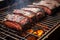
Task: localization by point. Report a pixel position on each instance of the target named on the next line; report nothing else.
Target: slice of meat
(17, 18)
(46, 9)
(16, 21)
(29, 15)
(13, 25)
(39, 12)
(48, 5)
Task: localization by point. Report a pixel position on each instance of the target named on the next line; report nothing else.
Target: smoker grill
(51, 22)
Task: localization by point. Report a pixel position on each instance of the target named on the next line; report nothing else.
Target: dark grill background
(51, 22)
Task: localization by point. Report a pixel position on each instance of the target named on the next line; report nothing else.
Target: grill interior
(48, 24)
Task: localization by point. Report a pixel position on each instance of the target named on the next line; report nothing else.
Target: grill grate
(50, 22)
(47, 24)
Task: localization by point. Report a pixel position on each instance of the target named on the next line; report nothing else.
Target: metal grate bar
(48, 31)
(51, 31)
(10, 33)
(4, 33)
(2, 38)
